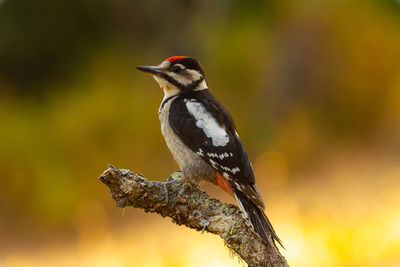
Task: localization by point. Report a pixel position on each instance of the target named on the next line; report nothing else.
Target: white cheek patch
(186, 76)
(207, 123)
(194, 75)
(179, 78)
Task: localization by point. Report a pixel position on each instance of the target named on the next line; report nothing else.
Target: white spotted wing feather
(206, 127)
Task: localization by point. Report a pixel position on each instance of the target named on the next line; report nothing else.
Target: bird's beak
(150, 69)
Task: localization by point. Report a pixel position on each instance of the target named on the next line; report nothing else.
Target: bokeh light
(314, 87)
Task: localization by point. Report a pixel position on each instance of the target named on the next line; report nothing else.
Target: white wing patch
(207, 123)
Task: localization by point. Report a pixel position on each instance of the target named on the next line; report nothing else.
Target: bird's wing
(206, 127)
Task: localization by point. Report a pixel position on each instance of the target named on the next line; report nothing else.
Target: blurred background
(314, 87)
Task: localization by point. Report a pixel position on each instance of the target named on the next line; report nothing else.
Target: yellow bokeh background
(314, 88)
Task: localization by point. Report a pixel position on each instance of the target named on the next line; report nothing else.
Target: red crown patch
(170, 59)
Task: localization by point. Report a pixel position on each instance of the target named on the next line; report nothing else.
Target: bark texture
(187, 205)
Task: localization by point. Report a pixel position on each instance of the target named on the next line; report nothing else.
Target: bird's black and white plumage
(203, 140)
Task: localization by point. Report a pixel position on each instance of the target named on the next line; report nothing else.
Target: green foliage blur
(305, 79)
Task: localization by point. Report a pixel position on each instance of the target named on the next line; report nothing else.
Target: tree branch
(187, 205)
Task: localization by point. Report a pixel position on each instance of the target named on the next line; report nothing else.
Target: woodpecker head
(177, 75)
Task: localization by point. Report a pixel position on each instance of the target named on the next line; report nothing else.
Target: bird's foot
(175, 177)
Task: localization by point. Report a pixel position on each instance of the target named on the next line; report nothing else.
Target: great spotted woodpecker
(203, 140)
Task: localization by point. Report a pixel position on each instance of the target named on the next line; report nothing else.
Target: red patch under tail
(223, 183)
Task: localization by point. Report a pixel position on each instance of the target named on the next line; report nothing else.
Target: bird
(201, 135)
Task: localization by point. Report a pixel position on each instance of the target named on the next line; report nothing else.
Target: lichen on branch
(187, 205)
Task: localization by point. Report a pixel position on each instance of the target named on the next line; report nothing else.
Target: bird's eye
(176, 69)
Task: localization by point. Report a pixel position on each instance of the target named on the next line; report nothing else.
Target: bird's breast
(191, 164)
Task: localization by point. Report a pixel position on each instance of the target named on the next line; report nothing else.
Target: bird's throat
(168, 88)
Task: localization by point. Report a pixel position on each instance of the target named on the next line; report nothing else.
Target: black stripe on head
(183, 87)
(190, 63)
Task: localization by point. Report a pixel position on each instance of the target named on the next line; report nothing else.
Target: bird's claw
(176, 175)
(173, 178)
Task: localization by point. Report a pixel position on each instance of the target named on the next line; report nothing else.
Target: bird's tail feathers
(257, 218)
